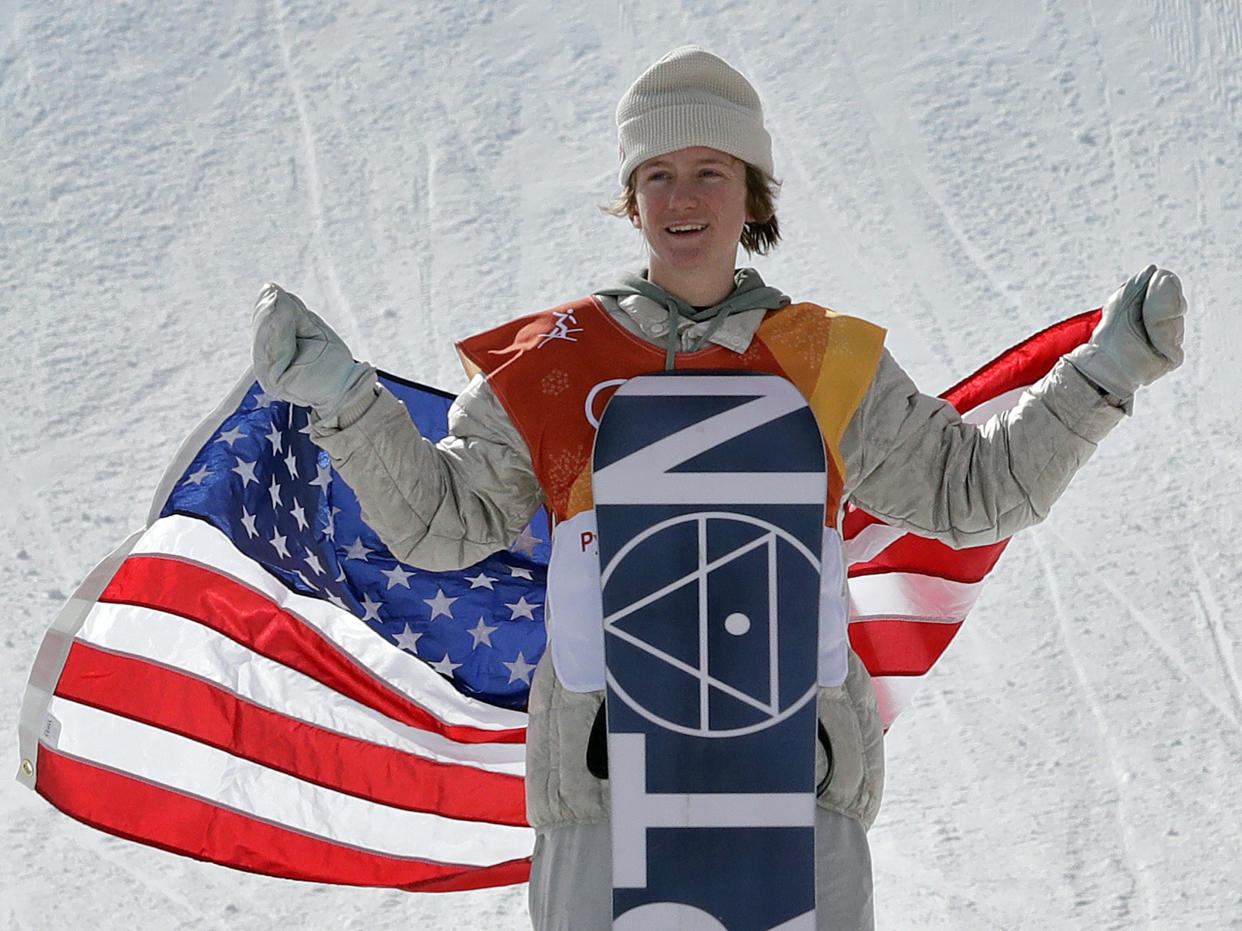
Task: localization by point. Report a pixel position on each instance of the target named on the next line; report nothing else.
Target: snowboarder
(697, 179)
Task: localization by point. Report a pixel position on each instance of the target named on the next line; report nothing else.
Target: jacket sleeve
(913, 462)
(443, 505)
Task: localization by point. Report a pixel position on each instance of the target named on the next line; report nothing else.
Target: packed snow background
(963, 173)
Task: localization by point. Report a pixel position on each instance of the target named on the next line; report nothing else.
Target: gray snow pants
(571, 877)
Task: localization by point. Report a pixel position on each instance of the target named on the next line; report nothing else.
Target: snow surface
(961, 172)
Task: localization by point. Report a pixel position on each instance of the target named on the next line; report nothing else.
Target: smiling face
(690, 206)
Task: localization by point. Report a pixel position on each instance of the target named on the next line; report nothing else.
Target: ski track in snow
(1182, 674)
(961, 173)
(1120, 774)
(1225, 643)
(314, 185)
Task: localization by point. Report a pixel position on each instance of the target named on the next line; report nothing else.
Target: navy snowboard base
(709, 494)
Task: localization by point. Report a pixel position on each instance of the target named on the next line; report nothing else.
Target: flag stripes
(152, 694)
(166, 641)
(133, 808)
(188, 767)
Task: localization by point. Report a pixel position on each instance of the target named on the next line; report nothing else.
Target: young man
(697, 173)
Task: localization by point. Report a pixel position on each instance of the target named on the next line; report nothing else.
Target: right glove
(1138, 338)
(298, 357)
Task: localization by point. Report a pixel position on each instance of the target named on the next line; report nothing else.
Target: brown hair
(759, 236)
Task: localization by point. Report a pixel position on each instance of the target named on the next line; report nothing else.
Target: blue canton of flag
(262, 482)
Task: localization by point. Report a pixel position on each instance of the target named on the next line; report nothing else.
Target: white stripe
(197, 541)
(870, 542)
(1002, 402)
(911, 596)
(191, 768)
(895, 694)
(172, 641)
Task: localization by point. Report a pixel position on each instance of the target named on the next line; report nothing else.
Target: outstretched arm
(913, 462)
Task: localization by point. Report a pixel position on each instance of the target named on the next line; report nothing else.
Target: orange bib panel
(553, 371)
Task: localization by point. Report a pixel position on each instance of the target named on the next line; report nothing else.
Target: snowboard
(709, 492)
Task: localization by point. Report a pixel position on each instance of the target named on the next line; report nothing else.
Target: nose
(684, 193)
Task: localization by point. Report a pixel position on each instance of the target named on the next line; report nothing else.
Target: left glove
(299, 358)
(1138, 338)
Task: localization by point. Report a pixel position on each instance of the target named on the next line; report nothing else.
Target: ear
(636, 220)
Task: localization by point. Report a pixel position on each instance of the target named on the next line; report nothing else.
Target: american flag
(253, 679)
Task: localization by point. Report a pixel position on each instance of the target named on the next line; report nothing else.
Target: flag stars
(357, 550)
(263, 401)
(291, 463)
(274, 490)
(313, 563)
(518, 572)
(482, 580)
(522, 608)
(247, 520)
(519, 670)
(408, 640)
(370, 608)
(231, 436)
(526, 542)
(277, 439)
(398, 576)
(197, 477)
(278, 544)
(440, 605)
(445, 666)
(482, 634)
(323, 477)
(299, 515)
(245, 470)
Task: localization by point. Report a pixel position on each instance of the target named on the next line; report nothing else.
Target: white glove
(1139, 336)
(298, 357)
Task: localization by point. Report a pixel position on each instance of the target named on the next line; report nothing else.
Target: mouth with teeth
(683, 228)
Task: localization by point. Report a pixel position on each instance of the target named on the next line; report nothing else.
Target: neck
(694, 287)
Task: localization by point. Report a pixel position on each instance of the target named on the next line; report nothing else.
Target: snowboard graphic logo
(729, 662)
(709, 495)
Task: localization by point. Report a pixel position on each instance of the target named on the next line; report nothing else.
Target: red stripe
(248, 617)
(149, 814)
(1024, 364)
(214, 716)
(930, 557)
(900, 648)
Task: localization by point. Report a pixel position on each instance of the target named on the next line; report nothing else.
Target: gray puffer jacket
(910, 459)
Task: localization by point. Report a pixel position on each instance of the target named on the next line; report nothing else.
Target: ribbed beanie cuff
(691, 97)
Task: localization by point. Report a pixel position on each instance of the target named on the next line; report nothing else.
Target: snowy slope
(963, 173)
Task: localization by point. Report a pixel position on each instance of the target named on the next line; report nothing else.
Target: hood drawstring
(749, 293)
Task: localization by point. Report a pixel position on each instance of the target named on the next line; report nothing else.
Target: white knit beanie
(690, 98)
